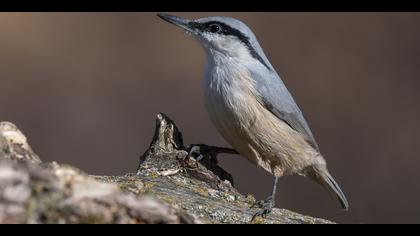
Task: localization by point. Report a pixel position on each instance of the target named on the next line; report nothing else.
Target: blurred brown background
(86, 87)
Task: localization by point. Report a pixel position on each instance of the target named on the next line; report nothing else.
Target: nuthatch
(251, 107)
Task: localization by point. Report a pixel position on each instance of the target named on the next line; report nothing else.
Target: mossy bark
(169, 187)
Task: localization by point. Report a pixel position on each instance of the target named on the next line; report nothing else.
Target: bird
(252, 109)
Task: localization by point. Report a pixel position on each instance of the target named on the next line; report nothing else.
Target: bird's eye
(215, 28)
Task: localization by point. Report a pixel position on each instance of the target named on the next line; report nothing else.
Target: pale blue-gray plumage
(252, 108)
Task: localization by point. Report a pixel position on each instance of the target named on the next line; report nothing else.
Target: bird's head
(222, 35)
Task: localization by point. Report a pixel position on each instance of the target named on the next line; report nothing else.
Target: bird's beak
(178, 21)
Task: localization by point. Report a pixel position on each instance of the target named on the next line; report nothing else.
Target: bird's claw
(266, 207)
(269, 202)
(262, 213)
(195, 151)
(202, 151)
(256, 204)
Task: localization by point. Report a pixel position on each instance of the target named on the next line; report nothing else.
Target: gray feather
(272, 91)
(275, 97)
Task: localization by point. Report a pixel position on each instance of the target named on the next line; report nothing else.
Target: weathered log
(169, 187)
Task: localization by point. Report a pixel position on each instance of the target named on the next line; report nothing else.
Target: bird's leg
(268, 204)
(200, 151)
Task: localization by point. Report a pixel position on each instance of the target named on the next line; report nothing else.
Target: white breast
(229, 98)
(233, 107)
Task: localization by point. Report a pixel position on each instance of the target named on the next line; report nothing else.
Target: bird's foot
(266, 207)
(202, 151)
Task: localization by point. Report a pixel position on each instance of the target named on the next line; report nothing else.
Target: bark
(169, 187)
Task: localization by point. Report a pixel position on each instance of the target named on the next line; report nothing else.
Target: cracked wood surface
(168, 187)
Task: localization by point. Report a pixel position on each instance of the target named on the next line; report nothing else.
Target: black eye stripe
(215, 28)
(227, 30)
(197, 25)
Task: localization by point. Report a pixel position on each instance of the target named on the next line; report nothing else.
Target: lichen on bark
(169, 187)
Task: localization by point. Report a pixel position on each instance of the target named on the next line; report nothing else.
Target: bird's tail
(321, 175)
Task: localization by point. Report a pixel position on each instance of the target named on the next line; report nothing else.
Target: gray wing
(275, 97)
